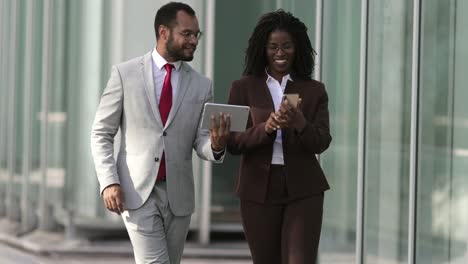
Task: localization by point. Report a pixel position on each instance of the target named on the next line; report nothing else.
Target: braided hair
(280, 20)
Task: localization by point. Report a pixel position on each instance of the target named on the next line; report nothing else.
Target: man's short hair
(167, 15)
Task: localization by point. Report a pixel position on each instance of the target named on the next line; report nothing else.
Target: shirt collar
(270, 78)
(160, 61)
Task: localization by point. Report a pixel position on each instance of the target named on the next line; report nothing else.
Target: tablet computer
(239, 115)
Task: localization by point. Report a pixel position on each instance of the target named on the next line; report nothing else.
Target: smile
(281, 61)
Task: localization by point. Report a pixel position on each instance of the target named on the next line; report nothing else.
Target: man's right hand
(113, 198)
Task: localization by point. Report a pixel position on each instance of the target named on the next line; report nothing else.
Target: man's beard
(177, 53)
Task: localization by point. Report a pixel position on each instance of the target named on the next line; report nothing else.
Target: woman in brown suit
(280, 182)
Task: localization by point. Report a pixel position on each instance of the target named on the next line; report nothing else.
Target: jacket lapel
(291, 88)
(147, 70)
(184, 82)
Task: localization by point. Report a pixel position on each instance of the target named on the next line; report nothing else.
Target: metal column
(11, 201)
(361, 180)
(318, 46)
(27, 217)
(318, 39)
(45, 214)
(205, 205)
(414, 133)
(3, 97)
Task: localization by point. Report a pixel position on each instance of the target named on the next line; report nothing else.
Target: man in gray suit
(157, 101)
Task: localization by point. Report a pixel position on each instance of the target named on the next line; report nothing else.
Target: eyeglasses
(275, 48)
(188, 35)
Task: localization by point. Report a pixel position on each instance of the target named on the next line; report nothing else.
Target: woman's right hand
(272, 124)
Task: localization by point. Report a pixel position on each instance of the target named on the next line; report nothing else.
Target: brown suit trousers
(283, 230)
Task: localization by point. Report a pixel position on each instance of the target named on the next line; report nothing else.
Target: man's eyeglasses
(276, 48)
(188, 35)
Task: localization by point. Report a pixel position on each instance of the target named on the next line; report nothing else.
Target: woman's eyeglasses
(276, 48)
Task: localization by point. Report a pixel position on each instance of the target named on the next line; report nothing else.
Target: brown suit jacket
(304, 174)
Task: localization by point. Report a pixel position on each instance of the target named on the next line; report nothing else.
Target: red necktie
(165, 104)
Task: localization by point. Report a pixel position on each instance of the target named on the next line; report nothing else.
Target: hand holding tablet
(238, 115)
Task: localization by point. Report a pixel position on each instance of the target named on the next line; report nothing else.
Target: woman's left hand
(298, 121)
(290, 116)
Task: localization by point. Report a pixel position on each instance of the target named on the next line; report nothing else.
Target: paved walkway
(11, 255)
(54, 248)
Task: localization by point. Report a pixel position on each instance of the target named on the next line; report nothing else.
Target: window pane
(340, 73)
(388, 131)
(442, 222)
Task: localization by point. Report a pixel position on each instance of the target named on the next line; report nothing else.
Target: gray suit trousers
(156, 234)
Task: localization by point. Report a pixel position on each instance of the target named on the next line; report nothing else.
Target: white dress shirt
(277, 92)
(159, 73)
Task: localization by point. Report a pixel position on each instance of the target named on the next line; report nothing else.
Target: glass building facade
(394, 70)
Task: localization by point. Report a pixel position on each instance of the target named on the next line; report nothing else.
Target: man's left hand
(219, 131)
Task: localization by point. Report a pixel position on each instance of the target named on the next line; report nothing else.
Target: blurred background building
(394, 70)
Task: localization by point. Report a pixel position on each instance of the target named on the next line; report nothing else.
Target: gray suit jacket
(129, 103)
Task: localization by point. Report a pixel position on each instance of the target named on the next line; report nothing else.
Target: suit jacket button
(164, 133)
(156, 159)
